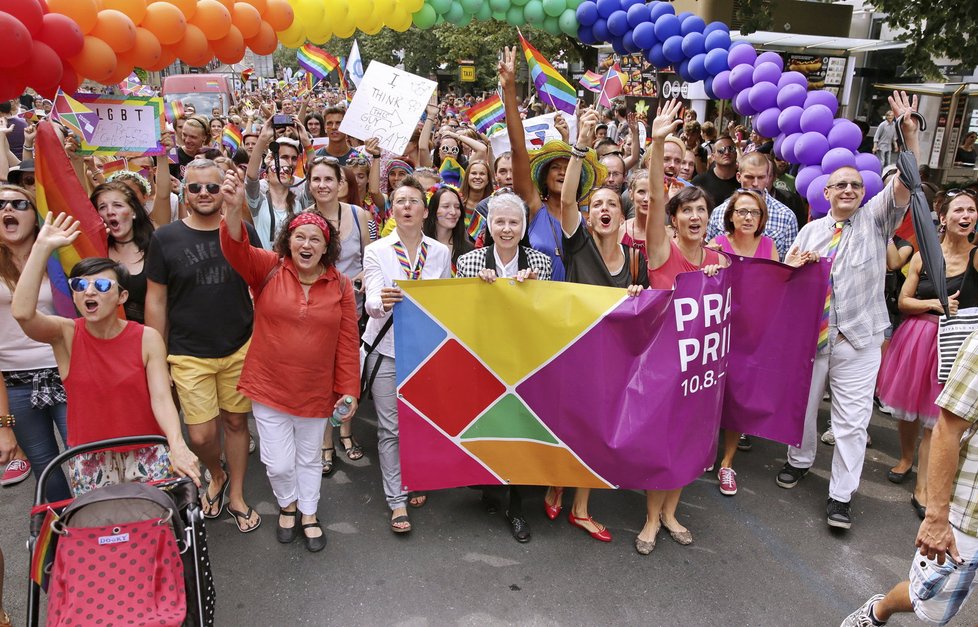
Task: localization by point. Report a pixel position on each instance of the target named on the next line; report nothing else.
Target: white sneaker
(251, 444)
(828, 437)
(861, 617)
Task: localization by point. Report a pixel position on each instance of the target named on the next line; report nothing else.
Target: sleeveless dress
(546, 235)
(907, 380)
(764, 248)
(135, 306)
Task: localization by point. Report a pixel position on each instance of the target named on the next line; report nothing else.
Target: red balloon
(11, 86)
(62, 34)
(46, 66)
(69, 81)
(17, 41)
(28, 12)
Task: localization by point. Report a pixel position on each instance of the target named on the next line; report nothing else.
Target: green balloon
(568, 22)
(553, 8)
(573, 4)
(425, 18)
(518, 3)
(551, 25)
(515, 16)
(466, 19)
(455, 13)
(499, 5)
(533, 12)
(499, 15)
(471, 6)
(484, 14)
(441, 7)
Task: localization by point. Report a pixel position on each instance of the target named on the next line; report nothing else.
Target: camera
(282, 121)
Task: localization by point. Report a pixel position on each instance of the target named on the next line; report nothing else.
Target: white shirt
(506, 270)
(382, 269)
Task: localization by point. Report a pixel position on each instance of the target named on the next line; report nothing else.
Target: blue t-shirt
(547, 237)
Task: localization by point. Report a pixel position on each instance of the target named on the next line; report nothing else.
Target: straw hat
(593, 173)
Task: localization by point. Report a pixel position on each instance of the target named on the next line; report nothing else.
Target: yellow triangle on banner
(513, 327)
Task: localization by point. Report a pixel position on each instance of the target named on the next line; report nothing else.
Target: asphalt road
(762, 557)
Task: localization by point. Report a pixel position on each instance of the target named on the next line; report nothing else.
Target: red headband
(310, 217)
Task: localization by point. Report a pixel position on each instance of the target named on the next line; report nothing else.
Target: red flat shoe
(553, 511)
(604, 535)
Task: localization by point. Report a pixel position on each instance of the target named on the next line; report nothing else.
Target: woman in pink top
(688, 211)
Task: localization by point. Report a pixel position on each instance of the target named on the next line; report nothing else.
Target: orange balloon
(246, 19)
(134, 9)
(147, 50)
(97, 61)
(194, 48)
(122, 70)
(228, 4)
(265, 42)
(165, 21)
(116, 29)
(212, 18)
(230, 48)
(83, 12)
(167, 57)
(260, 5)
(279, 14)
(187, 7)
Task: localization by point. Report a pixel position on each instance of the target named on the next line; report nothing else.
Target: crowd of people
(299, 238)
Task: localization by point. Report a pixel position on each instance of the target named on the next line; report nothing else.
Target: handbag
(951, 334)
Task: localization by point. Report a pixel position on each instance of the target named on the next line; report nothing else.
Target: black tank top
(966, 282)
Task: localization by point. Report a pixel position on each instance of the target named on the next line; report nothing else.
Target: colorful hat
(390, 166)
(593, 173)
(451, 172)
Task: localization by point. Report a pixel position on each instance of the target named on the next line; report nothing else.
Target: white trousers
(851, 374)
(290, 451)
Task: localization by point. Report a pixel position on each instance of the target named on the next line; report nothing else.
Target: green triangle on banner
(509, 418)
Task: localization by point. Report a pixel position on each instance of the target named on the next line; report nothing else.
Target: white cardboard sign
(538, 131)
(388, 105)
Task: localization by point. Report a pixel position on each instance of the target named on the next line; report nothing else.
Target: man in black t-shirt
(720, 181)
(203, 309)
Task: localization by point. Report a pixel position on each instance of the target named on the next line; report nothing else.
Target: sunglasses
(729, 150)
(841, 187)
(19, 204)
(79, 284)
(949, 194)
(452, 150)
(212, 188)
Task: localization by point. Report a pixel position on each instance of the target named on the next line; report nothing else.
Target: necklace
(125, 241)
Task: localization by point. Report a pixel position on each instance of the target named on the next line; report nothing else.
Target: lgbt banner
(562, 384)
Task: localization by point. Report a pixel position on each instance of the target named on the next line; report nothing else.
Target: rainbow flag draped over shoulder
(552, 88)
(232, 137)
(591, 81)
(58, 191)
(486, 113)
(316, 60)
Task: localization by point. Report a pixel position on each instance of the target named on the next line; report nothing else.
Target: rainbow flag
(308, 82)
(552, 88)
(474, 223)
(341, 73)
(316, 60)
(246, 74)
(591, 81)
(173, 111)
(58, 191)
(612, 84)
(76, 116)
(232, 137)
(486, 113)
(451, 172)
(44, 548)
(131, 84)
(110, 167)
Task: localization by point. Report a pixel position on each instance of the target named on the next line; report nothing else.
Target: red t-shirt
(664, 277)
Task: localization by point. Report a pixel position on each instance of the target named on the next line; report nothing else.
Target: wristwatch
(8, 420)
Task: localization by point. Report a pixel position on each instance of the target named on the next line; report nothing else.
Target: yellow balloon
(359, 10)
(383, 8)
(337, 10)
(293, 36)
(319, 33)
(400, 20)
(310, 12)
(344, 29)
(371, 25)
(411, 6)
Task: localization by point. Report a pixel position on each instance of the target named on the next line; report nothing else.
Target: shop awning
(809, 43)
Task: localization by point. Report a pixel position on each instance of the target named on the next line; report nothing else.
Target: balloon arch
(59, 43)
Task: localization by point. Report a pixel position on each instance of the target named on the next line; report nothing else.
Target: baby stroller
(130, 553)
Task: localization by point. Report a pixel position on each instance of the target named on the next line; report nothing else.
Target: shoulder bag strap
(271, 218)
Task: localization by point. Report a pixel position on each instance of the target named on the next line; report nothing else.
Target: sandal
(218, 499)
(246, 516)
(287, 535)
(402, 520)
(328, 466)
(354, 451)
(314, 544)
(417, 500)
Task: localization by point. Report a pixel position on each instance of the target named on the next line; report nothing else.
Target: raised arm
(570, 214)
(373, 176)
(656, 235)
(233, 193)
(632, 160)
(523, 183)
(903, 108)
(55, 233)
(162, 184)
(424, 139)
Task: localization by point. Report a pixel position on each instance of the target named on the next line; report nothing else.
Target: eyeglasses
(841, 187)
(743, 213)
(729, 150)
(949, 194)
(452, 150)
(212, 188)
(329, 160)
(19, 204)
(412, 202)
(79, 284)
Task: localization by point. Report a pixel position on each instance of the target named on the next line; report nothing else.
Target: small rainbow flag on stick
(591, 81)
(173, 111)
(552, 88)
(232, 137)
(44, 547)
(316, 60)
(486, 113)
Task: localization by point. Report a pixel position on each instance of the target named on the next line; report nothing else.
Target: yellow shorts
(207, 386)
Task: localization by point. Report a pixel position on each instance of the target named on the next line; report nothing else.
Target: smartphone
(282, 121)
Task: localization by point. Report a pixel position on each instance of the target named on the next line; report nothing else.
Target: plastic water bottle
(341, 412)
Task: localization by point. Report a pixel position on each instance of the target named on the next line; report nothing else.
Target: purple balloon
(788, 147)
(637, 14)
(810, 149)
(618, 23)
(837, 158)
(716, 61)
(766, 73)
(822, 97)
(770, 57)
(818, 204)
(776, 149)
(872, 182)
(672, 48)
(587, 13)
(697, 67)
(804, 178)
(741, 103)
(742, 52)
(721, 85)
(666, 26)
(763, 96)
(607, 7)
(790, 121)
(845, 134)
(741, 76)
(791, 95)
(816, 118)
(866, 162)
(766, 122)
(793, 78)
(658, 9)
(716, 39)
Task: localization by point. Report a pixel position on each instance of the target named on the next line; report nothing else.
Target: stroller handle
(54, 464)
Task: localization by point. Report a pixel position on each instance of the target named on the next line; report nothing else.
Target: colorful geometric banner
(563, 384)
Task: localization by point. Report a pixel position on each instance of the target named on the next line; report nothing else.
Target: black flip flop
(220, 497)
(401, 519)
(238, 516)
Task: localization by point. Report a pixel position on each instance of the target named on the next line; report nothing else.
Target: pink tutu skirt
(907, 379)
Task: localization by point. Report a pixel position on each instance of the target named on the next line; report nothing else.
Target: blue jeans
(35, 435)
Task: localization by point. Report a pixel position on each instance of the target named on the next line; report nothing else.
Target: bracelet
(8, 421)
(577, 152)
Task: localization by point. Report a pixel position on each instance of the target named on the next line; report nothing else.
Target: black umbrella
(931, 255)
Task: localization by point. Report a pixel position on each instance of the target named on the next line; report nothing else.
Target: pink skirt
(907, 380)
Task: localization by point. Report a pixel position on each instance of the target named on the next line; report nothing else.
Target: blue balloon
(607, 7)
(697, 67)
(721, 85)
(667, 26)
(638, 14)
(708, 87)
(716, 61)
(692, 24)
(693, 44)
(627, 4)
(742, 77)
(658, 9)
(600, 30)
(644, 35)
(684, 71)
(672, 48)
(654, 56)
(585, 36)
(791, 95)
(618, 23)
(684, 15)
(717, 39)
(587, 13)
(618, 44)
(628, 42)
(716, 27)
